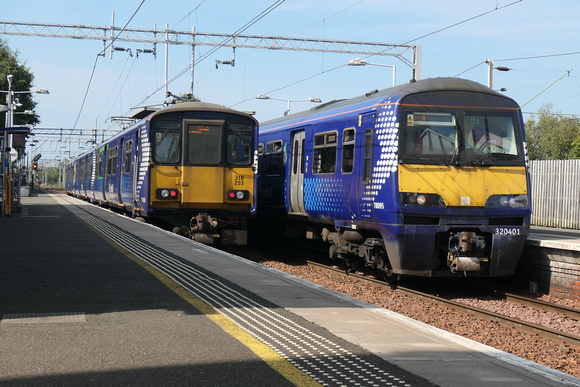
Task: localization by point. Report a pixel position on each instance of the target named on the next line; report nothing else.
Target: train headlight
(166, 193)
(507, 201)
(234, 194)
(421, 200)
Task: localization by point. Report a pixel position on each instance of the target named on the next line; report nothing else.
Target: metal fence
(556, 193)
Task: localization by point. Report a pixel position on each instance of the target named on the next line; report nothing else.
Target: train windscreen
(460, 137)
(240, 140)
(167, 141)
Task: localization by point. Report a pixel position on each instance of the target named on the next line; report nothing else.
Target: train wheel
(332, 252)
(387, 271)
(351, 265)
(390, 277)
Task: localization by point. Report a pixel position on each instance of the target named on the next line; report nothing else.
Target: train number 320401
(507, 231)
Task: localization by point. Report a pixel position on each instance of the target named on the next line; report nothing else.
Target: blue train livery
(428, 178)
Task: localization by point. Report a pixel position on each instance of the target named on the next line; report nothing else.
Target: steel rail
(572, 313)
(526, 326)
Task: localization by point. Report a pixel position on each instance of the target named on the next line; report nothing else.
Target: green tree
(575, 152)
(551, 136)
(23, 79)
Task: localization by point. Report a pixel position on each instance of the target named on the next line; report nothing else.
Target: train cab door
(365, 195)
(297, 162)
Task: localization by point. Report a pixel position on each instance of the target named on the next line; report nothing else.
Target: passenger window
(348, 140)
(324, 153)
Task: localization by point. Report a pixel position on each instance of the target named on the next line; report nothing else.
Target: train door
(365, 195)
(135, 152)
(296, 185)
(120, 171)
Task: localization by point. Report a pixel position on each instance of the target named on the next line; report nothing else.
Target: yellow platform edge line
(267, 354)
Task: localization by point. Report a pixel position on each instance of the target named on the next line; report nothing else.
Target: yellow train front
(196, 170)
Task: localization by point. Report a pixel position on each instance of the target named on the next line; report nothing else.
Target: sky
(536, 39)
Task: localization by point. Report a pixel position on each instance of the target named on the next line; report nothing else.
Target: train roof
(178, 107)
(379, 96)
(199, 106)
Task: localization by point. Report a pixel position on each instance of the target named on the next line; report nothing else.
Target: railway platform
(90, 297)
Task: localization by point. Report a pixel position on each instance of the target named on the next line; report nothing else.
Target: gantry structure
(111, 35)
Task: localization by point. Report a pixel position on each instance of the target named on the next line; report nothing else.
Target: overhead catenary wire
(217, 47)
(497, 8)
(189, 13)
(328, 17)
(96, 60)
(265, 12)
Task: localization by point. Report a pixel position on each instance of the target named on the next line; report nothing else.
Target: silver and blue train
(424, 179)
(191, 164)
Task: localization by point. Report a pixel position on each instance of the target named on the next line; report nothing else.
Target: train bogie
(425, 179)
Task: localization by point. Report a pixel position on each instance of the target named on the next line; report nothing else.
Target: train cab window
(204, 143)
(324, 160)
(240, 140)
(273, 158)
(489, 133)
(430, 133)
(127, 159)
(348, 137)
(167, 141)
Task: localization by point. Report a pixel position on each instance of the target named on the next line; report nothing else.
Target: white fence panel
(555, 193)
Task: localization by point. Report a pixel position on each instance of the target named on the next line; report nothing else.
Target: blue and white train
(424, 179)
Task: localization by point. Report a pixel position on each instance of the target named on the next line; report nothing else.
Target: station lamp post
(11, 104)
(311, 99)
(363, 62)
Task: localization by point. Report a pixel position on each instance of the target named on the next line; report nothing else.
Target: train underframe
(208, 226)
(429, 251)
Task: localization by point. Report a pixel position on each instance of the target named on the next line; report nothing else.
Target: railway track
(523, 325)
(539, 304)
